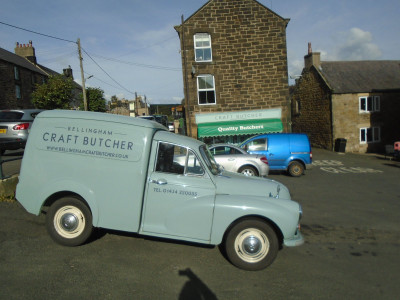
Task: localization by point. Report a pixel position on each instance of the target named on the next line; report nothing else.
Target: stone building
(235, 70)
(19, 74)
(355, 103)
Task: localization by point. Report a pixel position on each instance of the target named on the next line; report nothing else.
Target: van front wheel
(69, 221)
(296, 169)
(251, 245)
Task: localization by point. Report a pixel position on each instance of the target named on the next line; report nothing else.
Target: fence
(5, 161)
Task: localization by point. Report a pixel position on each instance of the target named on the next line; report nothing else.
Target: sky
(131, 46)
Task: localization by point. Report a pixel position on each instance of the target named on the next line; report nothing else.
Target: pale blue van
(88, 170)
(290, 152)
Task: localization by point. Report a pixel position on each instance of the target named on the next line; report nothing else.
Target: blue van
(284, 151)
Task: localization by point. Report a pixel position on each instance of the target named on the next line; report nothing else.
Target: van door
(278, 151)
(180, 196)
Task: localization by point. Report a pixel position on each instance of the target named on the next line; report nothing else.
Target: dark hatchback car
(14, 127)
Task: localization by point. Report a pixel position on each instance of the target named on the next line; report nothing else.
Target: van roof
(96, 116)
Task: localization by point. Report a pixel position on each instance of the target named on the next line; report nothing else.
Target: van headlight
(300, 212)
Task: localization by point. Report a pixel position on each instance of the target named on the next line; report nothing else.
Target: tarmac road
(351, 212)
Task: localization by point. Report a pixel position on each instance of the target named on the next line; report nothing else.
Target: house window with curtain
(16, 73)
(370, 104)
(370, 135)
(206, 89)
(202, 47)
(18, 91)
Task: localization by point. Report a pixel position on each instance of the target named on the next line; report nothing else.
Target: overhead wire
(107, 73)
(105, 58)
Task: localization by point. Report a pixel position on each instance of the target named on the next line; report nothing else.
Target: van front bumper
(296, 240)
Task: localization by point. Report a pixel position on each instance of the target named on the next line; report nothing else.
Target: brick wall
(249, 58)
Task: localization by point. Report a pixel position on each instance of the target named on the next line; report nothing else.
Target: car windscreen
(10, 115)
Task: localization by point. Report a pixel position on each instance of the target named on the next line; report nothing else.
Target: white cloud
(355, 44)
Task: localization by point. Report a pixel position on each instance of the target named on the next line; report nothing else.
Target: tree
(56, 93)
(96, 100)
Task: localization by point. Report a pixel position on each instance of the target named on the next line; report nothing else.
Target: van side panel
(278, 151)
(103, 162)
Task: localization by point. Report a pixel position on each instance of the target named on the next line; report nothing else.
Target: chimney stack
(68, 72)
(312, 59)
(27, 51)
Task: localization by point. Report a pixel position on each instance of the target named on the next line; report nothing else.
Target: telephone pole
(82, 76)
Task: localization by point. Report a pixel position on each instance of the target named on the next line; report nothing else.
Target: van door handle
(159, 181)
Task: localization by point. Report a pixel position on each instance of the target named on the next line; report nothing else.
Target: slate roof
(345, 77)
(19, 61)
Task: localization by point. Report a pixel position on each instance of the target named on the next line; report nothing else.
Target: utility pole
(82, 76)
(187, 112)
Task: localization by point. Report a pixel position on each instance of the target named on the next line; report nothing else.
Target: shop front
(235, 127)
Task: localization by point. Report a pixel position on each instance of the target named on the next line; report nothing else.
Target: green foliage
(95, 99)
(56, 93)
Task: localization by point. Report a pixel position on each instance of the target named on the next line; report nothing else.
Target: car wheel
(248, 171)
(296, 169)
(251, 245)
(69, 221)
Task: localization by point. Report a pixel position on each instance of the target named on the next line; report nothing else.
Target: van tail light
(22, 126)
(264, 160)
(311, 155)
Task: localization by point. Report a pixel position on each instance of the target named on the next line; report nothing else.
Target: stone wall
(26, 81)
(249, 58)
(311, 110)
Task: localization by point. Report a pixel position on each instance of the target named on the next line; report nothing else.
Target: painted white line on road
(337, 167)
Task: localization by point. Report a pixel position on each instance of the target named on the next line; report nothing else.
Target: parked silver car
(14, 127)
(235, 159)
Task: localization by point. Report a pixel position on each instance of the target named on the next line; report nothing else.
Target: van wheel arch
(56, 196)
(277, 230)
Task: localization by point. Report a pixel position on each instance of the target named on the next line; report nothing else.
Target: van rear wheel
(296, 169)
(69, 221)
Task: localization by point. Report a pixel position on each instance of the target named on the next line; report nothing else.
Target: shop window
(370, 104)
(202, 47)
(370, 135)
(206, 89)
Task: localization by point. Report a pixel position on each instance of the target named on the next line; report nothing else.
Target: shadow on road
(194, 288)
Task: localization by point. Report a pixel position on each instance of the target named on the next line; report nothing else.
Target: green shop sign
(239, 127)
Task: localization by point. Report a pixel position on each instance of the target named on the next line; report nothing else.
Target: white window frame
(199, 39)
(369, 104)
(374, 132)
(206, 90)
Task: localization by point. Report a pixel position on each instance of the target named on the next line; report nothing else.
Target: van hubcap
(251, 245)
(69, 222)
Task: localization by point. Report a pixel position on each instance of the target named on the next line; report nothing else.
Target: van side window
(193, 165)
(171, 158)
(257, 145)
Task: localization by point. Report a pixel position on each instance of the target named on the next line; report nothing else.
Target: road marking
(337, 167)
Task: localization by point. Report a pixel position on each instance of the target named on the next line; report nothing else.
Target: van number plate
(2, 131)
